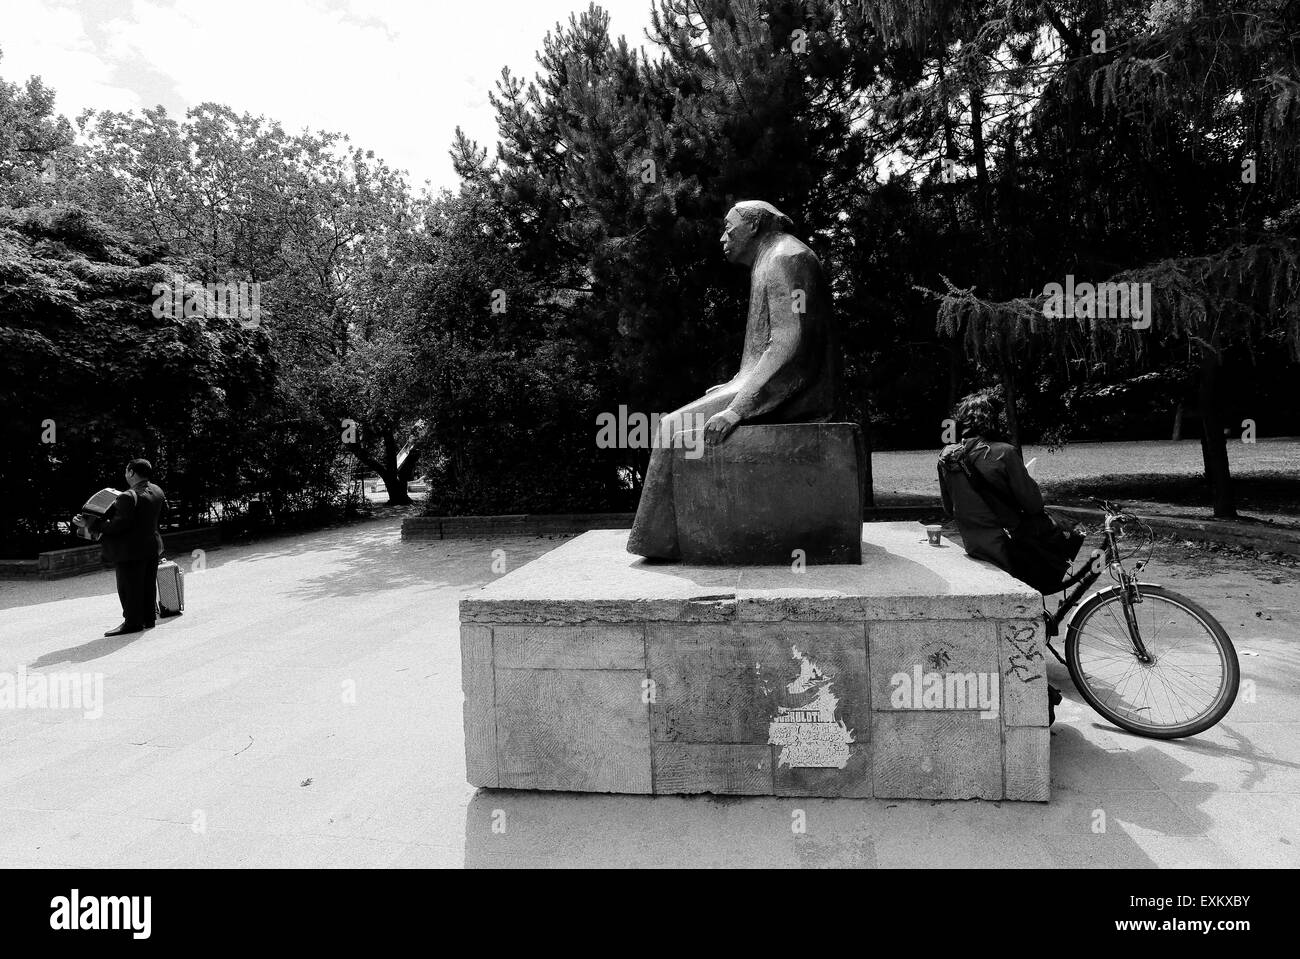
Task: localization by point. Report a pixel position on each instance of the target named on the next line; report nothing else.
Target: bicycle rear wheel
(1191, 681)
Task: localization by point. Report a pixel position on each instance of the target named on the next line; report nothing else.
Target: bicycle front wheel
(1189, 684)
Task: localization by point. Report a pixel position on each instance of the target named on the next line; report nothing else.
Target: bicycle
(1175, 677)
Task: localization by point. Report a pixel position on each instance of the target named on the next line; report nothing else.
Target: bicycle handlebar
(1117, 512)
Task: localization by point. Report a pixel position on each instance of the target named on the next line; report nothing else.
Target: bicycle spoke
(1171, 694)
(1115, 688)
(1155, 634)
(1123, 646)
(1120, 622)
(1193, 678)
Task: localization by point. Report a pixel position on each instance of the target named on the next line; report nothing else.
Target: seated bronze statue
(789, 370)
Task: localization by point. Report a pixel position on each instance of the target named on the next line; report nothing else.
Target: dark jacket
(131, 532)
(982, 529)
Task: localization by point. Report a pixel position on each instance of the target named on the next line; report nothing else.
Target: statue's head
(747, 223)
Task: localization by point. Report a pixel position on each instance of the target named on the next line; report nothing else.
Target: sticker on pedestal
(810, 736)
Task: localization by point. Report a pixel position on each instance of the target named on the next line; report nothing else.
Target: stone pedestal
(769, 491)
(918, 674)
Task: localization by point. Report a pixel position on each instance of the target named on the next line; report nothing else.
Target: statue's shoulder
(791, 251)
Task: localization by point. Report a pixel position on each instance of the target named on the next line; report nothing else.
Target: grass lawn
(1266, 474)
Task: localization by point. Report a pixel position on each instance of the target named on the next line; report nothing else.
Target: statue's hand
(714, 389)
(719, 427)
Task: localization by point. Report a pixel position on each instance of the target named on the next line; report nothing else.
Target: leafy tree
(89, 377)
(316, 221)
(34, 142)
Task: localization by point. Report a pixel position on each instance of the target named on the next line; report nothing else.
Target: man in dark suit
(132, 544)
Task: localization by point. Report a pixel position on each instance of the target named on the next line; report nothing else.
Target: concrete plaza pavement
(306, 712)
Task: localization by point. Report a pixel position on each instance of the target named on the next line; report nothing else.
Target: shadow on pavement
(15, 594)
(377, 559)
(508, 828)
(88, 651)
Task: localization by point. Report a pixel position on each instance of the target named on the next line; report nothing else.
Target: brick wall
(58, 563)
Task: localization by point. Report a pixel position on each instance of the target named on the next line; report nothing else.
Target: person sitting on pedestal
(789, 369)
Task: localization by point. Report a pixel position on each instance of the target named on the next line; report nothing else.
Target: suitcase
(171, 589)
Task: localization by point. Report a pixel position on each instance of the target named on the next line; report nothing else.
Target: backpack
(1041, 551)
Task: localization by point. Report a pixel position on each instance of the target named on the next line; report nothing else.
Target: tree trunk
(868, 484)
(1178, 421)
(397, 494)
(949, 153)
(1214, 445)
(1009, 393)
(386, 466)
(954, 373)
(392, 477)
(977, 151)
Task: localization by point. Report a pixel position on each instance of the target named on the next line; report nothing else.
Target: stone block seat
(768, 492)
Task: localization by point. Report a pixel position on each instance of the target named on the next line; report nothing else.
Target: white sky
(395, 75)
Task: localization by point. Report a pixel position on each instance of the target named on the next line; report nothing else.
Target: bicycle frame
(1082, 580)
